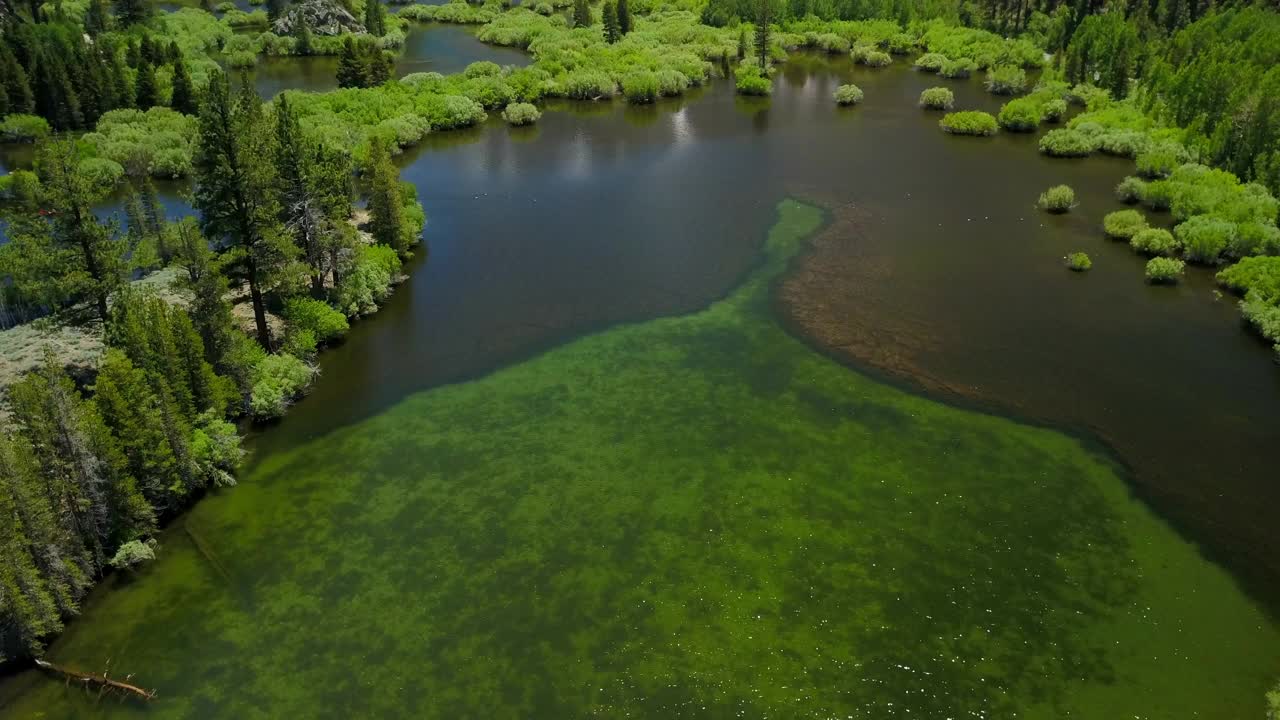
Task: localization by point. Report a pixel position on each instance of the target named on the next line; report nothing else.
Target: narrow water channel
(578, 465)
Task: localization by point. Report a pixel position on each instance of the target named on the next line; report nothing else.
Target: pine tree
(764, 15)
(98, 259)
(386, 211)
(581, 14)
(329, 174)
(96, 19)
(56, 99)
(148, 93)
(17, 86)
(206, 287)
(375, 22)
(624, 17)
(742, 44)
(123, 89)
(235, 180)
(184, 94)
(611, 32)
(132, 12)
(381, 66)
(276, 8)
(351, 70)
(302, 33)
(299, 213)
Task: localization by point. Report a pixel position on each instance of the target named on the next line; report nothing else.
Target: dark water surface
(485, 510)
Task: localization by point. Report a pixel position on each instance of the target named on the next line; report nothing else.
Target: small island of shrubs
(521, 113)
(1006, 80)
(1164, 271)
(1057, 199)
(1154, 241)
(937, 98)
(848, 95)
(1079, 262)
(1123, 224)
(969, 122)
(751, 81)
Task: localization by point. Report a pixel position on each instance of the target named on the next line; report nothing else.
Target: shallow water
(701, 516)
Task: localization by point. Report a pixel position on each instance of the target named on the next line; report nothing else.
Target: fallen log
(94, 680)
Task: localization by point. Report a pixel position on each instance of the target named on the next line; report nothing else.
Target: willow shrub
(1205, 239)
(1157, 194)
(158, 142)
(316, 317)
(1079, 262)
(1005, 80)
(1259, 276)
(277, 381)
(750, 81)
(1021, 115)
(1130, 190)
(986, 48)
(368, 282)
(640, 87)
(517, 114)
(1066, 142)
(1057, 199)
(957, 69)
(937, 98)
(1154, 241)
(1164, 271)
(969, 122)
(1123, 224)
(867, 55)
(23, 128)
(848, 95)
(930, 62)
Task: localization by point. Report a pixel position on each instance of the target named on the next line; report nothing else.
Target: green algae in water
(692, 517)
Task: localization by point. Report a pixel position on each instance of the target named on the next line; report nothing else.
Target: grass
(692, 516)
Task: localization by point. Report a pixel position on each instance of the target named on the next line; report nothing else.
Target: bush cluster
(1154, 241)
(1006, 80)
(937, 98)
(1164, 271)
(1123, 224)
(1021, 115)
(848, 95)
(1079, 262)
(1057, 199)
(750, 81)
(969, 122)
(1066, 142)
(520, 113)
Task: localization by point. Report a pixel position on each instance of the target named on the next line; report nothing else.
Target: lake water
(579, 465)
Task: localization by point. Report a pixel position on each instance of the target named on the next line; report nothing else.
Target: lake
(639, 438)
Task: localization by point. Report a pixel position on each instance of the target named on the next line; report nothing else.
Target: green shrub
(588, 85)
(930, 62)
(1154, 241)
(1265, 318)
(23, 128)
(1088, 96)
(1159, 161)
(957, 69)
(1021, 115)
(848, 95)
(369, 281)
(1079, 262)
(277, 381)
(831, 43)
(1057, 199)
(517, 114)
(1255, 238)
(100, 172)
(1259, 276)
(483, 68)
(901, 44)
(132, 554)
(937, 98)
(750, 81)
(1053, 109)
(1157, 194)
(1164, 271)
(1204, 239)
(672, 82)
(640, 87)
(1065, 142)
(1006, 80)
(968, 122)
(871, 57)
(1130, 190)
(1123, 143)
(1123, 224)
(316, 317)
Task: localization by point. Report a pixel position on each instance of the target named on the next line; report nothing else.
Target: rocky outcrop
(321, 17)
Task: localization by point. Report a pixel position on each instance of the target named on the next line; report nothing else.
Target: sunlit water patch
(690, 517)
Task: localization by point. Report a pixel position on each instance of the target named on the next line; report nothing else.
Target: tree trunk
(259, 309)
(102, 682)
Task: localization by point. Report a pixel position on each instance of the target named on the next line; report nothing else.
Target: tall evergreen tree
(764, 16)
(132, 12)
(205, 286)
(235, 183)
(16, 85)
(96, 19)
(183, 98)
(375, 22)
(56, 99)
(581, 14)
(97, 264)
(148, 91)
(624, 17)
(301, 215)
(742, 44)
(386, 209)
(276, 8)
(351, 70)
(610, 14)
(329, 174)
